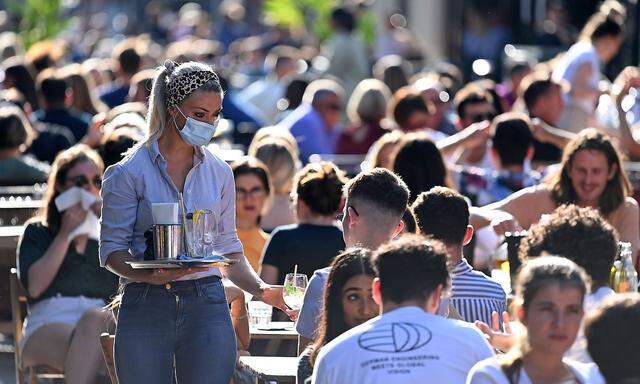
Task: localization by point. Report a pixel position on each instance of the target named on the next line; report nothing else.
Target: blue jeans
(185, 321)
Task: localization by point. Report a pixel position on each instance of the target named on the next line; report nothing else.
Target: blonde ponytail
(157, 113)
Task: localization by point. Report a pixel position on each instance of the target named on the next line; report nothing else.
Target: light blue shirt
(131, 186)
(310, 131)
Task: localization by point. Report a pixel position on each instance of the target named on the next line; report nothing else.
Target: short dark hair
(14, 128)
(534, 86)
(129, 61)
(443, 214)
(381, 188)
(403, 106)
(343, 18)
(470, 94)
(613, 338)
(601, 25)
(52, 87)
(512, 138)
(579, 234)
(410, 267)
(319, 185)
(409, 220)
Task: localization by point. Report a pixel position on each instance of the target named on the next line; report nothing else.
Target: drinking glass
(294, 287)
(202, 228)
(259, 313)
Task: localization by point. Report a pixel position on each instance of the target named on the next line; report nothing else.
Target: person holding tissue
(175, 321)
(58, 265)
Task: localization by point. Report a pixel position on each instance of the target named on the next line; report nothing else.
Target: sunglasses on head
(482, 117)
(81, 181)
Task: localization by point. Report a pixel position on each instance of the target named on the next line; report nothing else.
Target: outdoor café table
(267, 369)
(275, 332)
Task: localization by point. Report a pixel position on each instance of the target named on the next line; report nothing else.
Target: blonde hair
(166, 73)
(368, 101)
(84, 100)
(280, 159)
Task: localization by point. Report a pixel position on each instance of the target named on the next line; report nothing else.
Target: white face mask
(195, 132)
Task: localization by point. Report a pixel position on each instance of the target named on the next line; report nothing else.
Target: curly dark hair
(579, 234)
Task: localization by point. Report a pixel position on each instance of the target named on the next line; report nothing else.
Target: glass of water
(295, 284)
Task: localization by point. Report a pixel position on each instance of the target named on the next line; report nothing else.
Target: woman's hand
(273, 295)
(499, 339)
(72, 218)
(163, 276)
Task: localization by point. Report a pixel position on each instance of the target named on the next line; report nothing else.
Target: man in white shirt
(376, 201)
(408, 343)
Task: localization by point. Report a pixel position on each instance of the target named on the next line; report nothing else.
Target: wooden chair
(18, 303)
(107, 340)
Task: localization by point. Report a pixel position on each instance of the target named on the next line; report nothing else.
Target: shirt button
(167, 286)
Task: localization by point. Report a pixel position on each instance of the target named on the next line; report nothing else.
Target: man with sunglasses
(372, 214)
(314, 123)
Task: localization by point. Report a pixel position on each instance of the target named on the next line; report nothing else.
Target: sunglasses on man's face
(334, 106)
(82, 181)
(482, 117)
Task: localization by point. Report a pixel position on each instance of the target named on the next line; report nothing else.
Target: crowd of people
(398, 245)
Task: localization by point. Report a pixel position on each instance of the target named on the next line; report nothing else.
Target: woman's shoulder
(585, 372)
(36, 230)
(487, 371)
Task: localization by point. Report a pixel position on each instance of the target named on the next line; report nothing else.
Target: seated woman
(67, 287)
(347, 303)
(591, 176)
(281, 158)
(316, 239)
(549, 296)
(253, 188)
(15, 136)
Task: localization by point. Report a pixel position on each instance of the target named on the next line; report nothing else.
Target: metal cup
(167, 241)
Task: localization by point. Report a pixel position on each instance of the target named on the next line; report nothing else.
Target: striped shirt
(474, 294)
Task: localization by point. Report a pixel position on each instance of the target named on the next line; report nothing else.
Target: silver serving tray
(217, 261)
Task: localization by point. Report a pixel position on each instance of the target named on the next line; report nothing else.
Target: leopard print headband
(182, 86)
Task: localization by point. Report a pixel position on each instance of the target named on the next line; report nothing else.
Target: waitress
(175, 319)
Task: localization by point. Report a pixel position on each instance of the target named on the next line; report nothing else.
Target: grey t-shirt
(23, 170)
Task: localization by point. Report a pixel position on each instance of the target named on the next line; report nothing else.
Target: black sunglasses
(340, 216)
(81, 181)
(482, 117)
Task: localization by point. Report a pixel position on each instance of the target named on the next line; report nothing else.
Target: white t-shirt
(580, 53)
(406, 345)
(578, 350)
(489, 372)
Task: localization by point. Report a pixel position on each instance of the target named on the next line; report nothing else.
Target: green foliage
(39, 19)
(313, 15)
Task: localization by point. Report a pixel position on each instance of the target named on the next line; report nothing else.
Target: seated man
(614, 339)
(444, 214)
(370, 218)
(408, 343)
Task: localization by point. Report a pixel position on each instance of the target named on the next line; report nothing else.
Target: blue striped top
(475, 295)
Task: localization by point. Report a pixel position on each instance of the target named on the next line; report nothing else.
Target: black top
(309, 246)
(51, 140)
(79, 274)
(78, 123)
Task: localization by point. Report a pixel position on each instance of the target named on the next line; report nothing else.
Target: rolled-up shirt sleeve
(119, 211)
(227, 240)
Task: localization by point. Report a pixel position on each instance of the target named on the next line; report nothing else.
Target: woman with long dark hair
(347, 303)
(549, 297)
(175, 321)
(419, 163)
